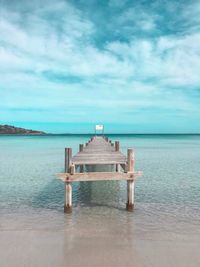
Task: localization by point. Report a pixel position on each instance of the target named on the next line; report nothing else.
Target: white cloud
(119, 77)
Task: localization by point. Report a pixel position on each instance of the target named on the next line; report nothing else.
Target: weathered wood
(68, 157)
(98, 162)
(68, 198)
(96, 153)
(130, 157)
(130, 195)
(130, 184)
(99, 151)
(72, 169)
(116, 145)
(118, 167)
(98, 176)
(81, 146)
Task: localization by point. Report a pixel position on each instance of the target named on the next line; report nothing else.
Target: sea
(163, 229)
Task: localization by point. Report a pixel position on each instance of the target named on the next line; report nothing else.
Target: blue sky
(133, 65)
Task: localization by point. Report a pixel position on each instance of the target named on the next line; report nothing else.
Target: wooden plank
(99, 156)
(96, 159)
(99, 162)
(99, 151)
(98, 176)
(108, 157)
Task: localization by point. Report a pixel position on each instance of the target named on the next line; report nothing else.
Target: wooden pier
(99, 151)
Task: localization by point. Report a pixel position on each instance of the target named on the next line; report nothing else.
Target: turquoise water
(167, 196)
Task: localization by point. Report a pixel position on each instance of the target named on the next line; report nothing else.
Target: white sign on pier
(99, 127)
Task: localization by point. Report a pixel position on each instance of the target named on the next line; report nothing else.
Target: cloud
(139, 59)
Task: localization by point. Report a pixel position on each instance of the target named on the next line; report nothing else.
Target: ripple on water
(167, 196)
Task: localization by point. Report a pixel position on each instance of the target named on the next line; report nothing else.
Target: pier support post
(80, 150)
(68, 157)
(130, 195)
(130, 183)
(81, 147)
(116, 145)
(68, 198)
(68, 187)
(72, 169)
(118, 167)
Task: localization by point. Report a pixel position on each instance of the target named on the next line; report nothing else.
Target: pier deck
(98, 151)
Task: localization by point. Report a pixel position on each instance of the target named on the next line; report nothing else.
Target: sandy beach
(37, 248)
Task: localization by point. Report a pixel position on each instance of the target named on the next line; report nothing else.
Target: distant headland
(9, 129)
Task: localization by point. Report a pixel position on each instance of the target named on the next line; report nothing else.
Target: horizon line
(50, 134)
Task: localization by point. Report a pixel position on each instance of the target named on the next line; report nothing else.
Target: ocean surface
(167, 204)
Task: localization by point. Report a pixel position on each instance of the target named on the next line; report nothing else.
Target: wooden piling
(130, 159)
(117, 167)
(68, 157)
(72, 169)
(68, 187)
(68, 198)
(81, 147)
(130, 183)
(130, 195)
(116, 145)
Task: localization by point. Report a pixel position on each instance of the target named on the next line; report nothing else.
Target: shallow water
(167, 197)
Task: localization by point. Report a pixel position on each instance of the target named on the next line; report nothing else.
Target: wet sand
(99, 236)
(60, 248)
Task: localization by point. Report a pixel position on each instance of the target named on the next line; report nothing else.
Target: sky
(131, 65)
